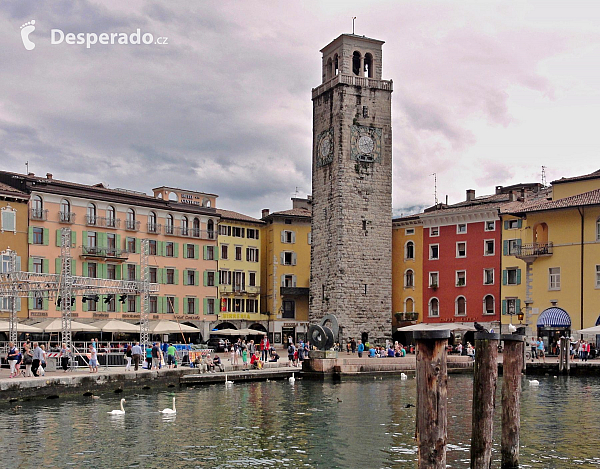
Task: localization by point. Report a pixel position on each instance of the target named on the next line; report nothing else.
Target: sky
(485, 94)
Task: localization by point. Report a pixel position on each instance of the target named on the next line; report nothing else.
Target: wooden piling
(561, 355)
(432, 398)
(511, 399)
(485, 377)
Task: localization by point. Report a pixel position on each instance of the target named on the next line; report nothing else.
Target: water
(275, 424)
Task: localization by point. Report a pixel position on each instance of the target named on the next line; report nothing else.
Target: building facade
(351, 271)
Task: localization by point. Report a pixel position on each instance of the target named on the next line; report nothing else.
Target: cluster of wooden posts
(432, 398)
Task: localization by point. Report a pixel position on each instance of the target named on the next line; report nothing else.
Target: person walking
(12, 357)
(360, 348)
(533, 344)
(63, 356)
(149, 357)
(264, 348)
(42, 369)
(27, 360)
(38, 355)
(291, 350)
(245, 357)
(93, 359)
(353, 345)
(586, 353)
(540, 349)
(136, 354)
(155, 357)
(128, 356)
(171, 356)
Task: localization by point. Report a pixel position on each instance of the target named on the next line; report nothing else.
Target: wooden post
(561, 355)
(511, 399)
(568, 360)
(432, 398)
(485, 377)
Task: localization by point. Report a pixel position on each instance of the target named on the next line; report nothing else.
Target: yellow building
(557, 249)
(286, 271)
(239, 271)
(13, 236)
(407, 270)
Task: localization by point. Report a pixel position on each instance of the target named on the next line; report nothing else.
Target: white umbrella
(4, 327)
(114, 325)
(55, 325)
(225, 332)
(169, 327)
(250, 332)
(590, 330)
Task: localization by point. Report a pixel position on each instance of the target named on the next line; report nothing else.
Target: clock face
(366, 144)
(325, 147)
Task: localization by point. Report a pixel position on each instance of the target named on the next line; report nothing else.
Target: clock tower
(351, 250)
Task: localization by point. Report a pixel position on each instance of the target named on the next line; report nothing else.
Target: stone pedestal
(322, 354)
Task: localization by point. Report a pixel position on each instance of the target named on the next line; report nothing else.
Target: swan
(169, 411)
(292, 379)
(534, 382)
(118, 412)
(228, 383)
(403, 376)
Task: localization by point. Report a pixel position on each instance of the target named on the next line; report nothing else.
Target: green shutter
(506, 222)
(84, 238)
(205, 275)
(118, 244)
(84, 306)
(137, 271)
(73, 238)
(176, 305)
(73, 267)
(185, 277)
(216, 278)
(46, 266)
(197, 278)
(505, 277)
(46, 237)
(159, 248)
(118, 269)
(102, 240)
(57, 265)
(196, 306)
(30, 302)
(159, 305)
(519, 242)
(518, 276)
(58, 238)
(505, 248)
(117, 304)
(518, 305)
(138, 304)
(503, 306)
(102, 271)
(138, 245)
(519, 223)
(205, 251)
(84, 269)
(175, 249)
(196, 251)
(164, 304)
(185, 250)
(30, 267)
(30, 235)
(216, 252)
(45, 303)
(205, 306)
(176, 277)
(160, 275)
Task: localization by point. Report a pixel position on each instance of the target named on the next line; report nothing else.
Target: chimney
(31, 174)
(265, 212)
(512, 196)
(498, 189)
(48, 175)
(470, 194)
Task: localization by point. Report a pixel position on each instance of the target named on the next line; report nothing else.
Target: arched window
(368, 65)
(329, 69)
(91, 214)
(211, 229)
(488, 305)
(409, 278)
(434, 307)
(37, 207)
(111, 216)
(65, 211)
(152, 222)
(460, 306)
(130, 219)
(409, 305)
(356, 63)
(184, 226)
(409, 250)
(336, 65)
(196, 227)
(169, 224)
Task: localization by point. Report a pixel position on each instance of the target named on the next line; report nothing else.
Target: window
(92, 304)
(65, 211)
(461, 278)
(434, 307)
(184, 226)
(488, 276)
(238, 232)
(409, 305)
(152, 247)
(196, 228)
(224, 248)
(488, 247)
(210, 253)
(225, 230)
(169, 249)
(190, 251)
(37, 208)
(409, 279)
(434, 251)
(488, 305)
(288, 221)
(289, 258)
(153, 271)
(38, 300)
(131, 272)
(251, 233)
(461, 249)
(252, 254)
(238, 305)
(91, 214)
(460, 306)
(598, 230)
(238, 253)
(38, 235)
(170, 304)
(511, 306)
(288, 281)
(191, 306)
(251, 306)
(289, 309)
(111, 216)
(409, 231)
(511, 276)
(92, 270)
(434, 231)
(153, 305)
(597, 276)
(239, 281)
(170, 276)
(490, 225)
(225, 277)
(512, 247)
(210, 306)
(461, 228)
(554, 278)
(38, 265)
(130, 244)
(409, 250)
(252, 279)
(512, 224)
(130, 219)
(152, 227)
(288, 237)
(111, 272)
(109, 301)
(191, 277)
(9, 219)
(169, 224)
(210, 279)
(433, 279)
(92, 240)
(131, 303)
(111, 243)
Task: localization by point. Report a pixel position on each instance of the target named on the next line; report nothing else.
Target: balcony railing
(66, 217)
(239, 289)
(534, 250)
(354, 81)
(153, 227)
(108, 222)
(38, 214)
(132, 225)
(91, 220)
(95, 251)
(413, 316)
(189, 232)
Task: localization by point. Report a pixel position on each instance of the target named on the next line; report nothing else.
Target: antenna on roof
(435, 186)
(353, 18)
(27, 167)
(543, 176)
(296, 193)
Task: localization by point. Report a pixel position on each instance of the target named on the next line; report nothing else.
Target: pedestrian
(93, 359)
(42, 369)
(128, 355)
(245, 357)
(533, 345)
(540, 349)
(149, 357)
(348, 346)
(300, 353)
(136, 353)
(361, 348)
(37, 359)
(264, 348)
(12, 357)
(251, 348)
(27, 360)
(154, 353)
(353, 345)
(235, 353)
(291, 350)
(63, 356)
(588, 348)
(171, 356)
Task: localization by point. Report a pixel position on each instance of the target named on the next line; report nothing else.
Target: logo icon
(26, 30)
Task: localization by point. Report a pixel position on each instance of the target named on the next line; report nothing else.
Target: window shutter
(520, 223)
(176, 305)
(46, 236)
(185, 250)
(283, 236)
(205, 305)
(506, 222)
(138, 245)
(216, 253)
(503, 306)
(256, 232)
(205, 278)
(243, 232)
(518, 276)
(119, 245)
(102, 239)
(294, 258)
(30, 302)
(84, 238)
(505, 277)
(84, 306)
(196, 306)
(137, 272)
(45, 303)
(176, 277)
(57, 265)
(505, 247)
(58, 238)
(205, 253)
(185, 273)
(30, 235)
(519, 242)
(73, 238)
(197, 278)
(282, 281)
(46, 266)
(30, 266)
(518, 305)
(216, 279)
(118, 269)
(282, 256)
(293, 280)
(175, 249)
(196, 251)
(84, 272)
(293, 236)
(138, 304)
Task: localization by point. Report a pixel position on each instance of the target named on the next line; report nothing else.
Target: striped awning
(554, 317)
(598, 321)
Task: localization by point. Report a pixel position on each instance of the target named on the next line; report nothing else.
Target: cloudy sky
(485, 93)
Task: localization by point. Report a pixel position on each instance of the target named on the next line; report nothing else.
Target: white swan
(169, 411)
(292, 379)
(534, 382)
(118, 412)
(228, 383)
(403, 376)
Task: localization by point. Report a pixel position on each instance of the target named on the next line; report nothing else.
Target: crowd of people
(372, 351)
(31, 356)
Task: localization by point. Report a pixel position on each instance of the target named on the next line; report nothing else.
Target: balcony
(530, 252)
(38, 214)
(154, 227)
(413, 316)
(108, 222)
(238, 290)
(105, 253)
(352, 80)
(189, 232)
(132, 225)
(66, 217)
(294, 291)
(91, 220)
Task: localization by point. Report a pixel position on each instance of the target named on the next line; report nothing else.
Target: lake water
(275, 424)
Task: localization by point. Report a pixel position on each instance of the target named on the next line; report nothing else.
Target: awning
(598, 321)
(55, 325)
(4, 327)
(450, 326)
(590, 330)
(114, 325)
(554, 317)
(169, 327)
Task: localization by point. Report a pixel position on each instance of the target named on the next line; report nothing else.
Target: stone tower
(351, 251)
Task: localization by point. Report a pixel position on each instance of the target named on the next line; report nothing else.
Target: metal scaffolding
(16, 284)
